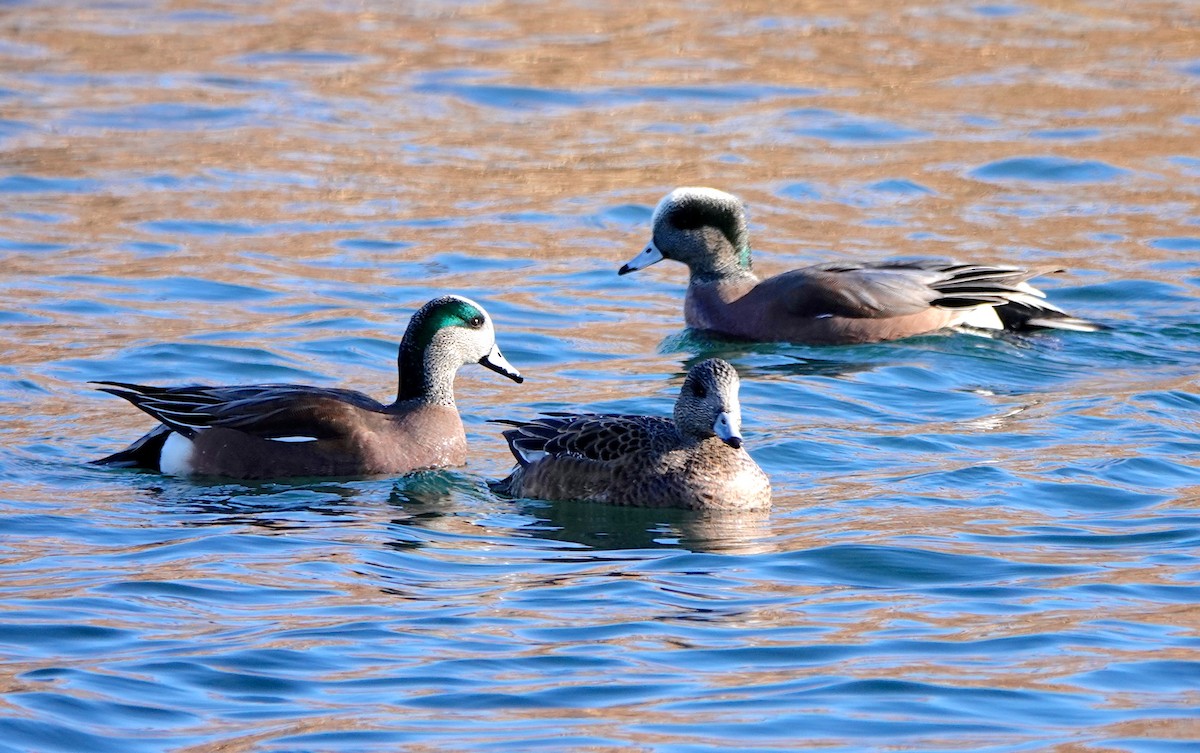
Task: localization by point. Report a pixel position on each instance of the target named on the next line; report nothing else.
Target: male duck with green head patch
(290, 430)
(831, 304)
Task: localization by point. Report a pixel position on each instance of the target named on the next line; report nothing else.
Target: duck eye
(476, 321)
(699, 391)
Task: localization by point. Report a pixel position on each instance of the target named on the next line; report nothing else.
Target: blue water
(976, 544)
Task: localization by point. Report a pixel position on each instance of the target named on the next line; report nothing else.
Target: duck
(694, 460)
(287, 430)
(837, 303)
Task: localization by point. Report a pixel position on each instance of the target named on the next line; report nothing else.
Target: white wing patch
(292, 439)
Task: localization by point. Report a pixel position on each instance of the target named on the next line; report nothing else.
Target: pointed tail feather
(143, 453)
(1018, 305)
(1022, 316)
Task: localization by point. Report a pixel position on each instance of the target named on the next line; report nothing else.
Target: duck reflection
(442, 501)
(432, 501)
(790, 360)
(252, 503)
(794, 360)
(611, 527)
(423, 497)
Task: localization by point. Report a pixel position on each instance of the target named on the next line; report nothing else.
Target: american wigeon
(694, 461)
(288, 430)
(836, 303)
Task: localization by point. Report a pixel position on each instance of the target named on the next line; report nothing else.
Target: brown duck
(283, 430)
(694, 461)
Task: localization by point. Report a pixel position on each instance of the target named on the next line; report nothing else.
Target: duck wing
(898, 288)
(591, 436)
(268, 411)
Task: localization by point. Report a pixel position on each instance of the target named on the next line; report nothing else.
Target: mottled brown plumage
(694, 461)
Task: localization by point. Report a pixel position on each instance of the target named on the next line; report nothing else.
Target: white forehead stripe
(679, 194)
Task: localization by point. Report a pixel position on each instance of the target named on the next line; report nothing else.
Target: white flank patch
(982, 317)
(292, 439)
(176, 457)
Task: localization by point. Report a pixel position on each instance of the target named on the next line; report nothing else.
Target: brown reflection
(610, 527)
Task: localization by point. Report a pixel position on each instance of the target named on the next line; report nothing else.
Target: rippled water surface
(976, 544)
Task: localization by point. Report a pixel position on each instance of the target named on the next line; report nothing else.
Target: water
(976, 544)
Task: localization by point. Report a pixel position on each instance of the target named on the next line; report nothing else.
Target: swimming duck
(835, 303)
(288, 430)
(694, 460)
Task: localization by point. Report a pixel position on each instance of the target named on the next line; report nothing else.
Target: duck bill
(496, 361)
(728, 430)
(649, 255)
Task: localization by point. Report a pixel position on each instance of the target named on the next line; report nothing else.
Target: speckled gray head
(702, 227)
(708, 403)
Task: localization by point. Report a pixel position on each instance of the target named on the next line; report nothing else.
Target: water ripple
(977, 543)
(1049, 170)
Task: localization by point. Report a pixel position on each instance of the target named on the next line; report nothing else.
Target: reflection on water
(977, 543)
(608, 527)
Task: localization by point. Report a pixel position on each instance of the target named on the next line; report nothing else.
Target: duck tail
(527, 439)
(1019, 306)
(1022, 316)
(143, 453)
